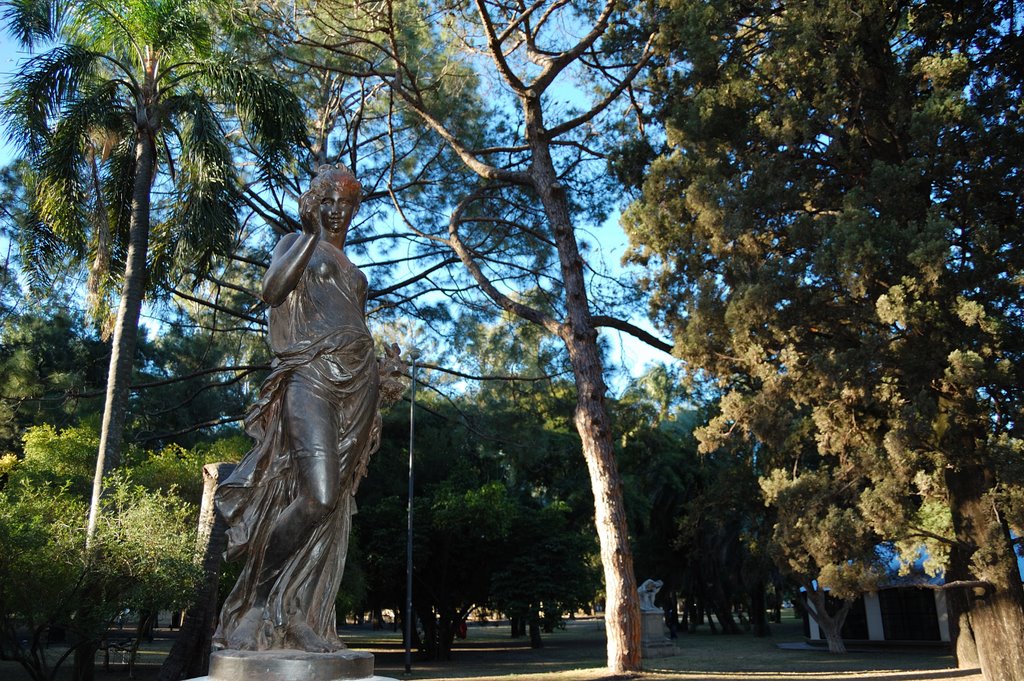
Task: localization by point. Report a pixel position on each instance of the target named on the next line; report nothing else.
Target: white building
(901, 614)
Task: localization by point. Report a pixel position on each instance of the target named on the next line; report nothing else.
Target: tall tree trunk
(831, 624)
(622, 609)
(84, 662)
(997, 616)
(190, 655)
(447, 623)
(699, 614)
(143, 630)
(122, 350)
(722, 607)
(428, 619)
(958, 608)
(517, 626)
(759, 610)
(578, 332)
(535, 640)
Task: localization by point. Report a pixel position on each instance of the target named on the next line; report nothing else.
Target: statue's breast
(330, 266)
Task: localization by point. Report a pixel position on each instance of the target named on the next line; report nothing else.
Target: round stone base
(290, 665)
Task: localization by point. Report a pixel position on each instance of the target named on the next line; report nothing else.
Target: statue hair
(340, 176)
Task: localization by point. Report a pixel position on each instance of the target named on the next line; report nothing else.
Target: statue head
(340, 177)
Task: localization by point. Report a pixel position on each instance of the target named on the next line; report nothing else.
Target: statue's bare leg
(310, 424)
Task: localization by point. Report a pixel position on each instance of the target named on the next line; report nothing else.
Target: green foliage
(146, 543)
(818, 538)
(64, 457)
(184, 393)
(502, 514)
(832, 234)
(698, 523)
(172, 468)
(7, 464)
(41, 569)
(551, 570)
(52, 370)
(45, 360)
(142, 557)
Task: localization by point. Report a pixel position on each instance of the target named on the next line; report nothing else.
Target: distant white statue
(647, 591)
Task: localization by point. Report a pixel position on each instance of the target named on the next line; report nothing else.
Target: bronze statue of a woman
(290, 501)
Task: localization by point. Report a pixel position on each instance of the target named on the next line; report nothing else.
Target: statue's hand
(309, 213)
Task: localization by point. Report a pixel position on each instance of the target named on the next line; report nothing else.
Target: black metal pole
(414, 354)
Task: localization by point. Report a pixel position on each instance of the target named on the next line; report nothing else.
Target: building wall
(896, 614)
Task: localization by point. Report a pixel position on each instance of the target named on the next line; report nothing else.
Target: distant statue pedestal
(653, 642)
(290, 665)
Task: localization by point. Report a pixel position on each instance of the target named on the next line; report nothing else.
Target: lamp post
(414, 354)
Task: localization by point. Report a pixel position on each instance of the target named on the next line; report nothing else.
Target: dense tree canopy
(833, 235)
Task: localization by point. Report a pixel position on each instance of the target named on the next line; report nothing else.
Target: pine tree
(833, 229)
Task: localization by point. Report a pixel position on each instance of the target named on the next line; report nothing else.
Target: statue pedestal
(290, 665)
(653, 642)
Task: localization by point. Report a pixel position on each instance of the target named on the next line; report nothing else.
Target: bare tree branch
(276, 217)
(251, 261)
(558, 63)
(191, 429)
(494, 45)
(482, 169)
(233, 287)
(635, 331)
(612, 95)
(525, 311)
(374, 294)
(214, 306)
(510, 378)
(208, 386)
(244, 368)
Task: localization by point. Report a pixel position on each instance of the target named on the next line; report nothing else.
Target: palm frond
(33, 21)
(41, 89)
(204, 220)
(118, 184)
(270, 112)
(63, 193)
(41, 250)
(182, 27)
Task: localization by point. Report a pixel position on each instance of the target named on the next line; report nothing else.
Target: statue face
(336, 210)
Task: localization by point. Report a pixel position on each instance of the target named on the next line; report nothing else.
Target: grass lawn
(578, 653)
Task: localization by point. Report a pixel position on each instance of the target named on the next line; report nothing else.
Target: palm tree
(135, 95)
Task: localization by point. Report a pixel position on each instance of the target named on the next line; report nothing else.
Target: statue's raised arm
(293, 252)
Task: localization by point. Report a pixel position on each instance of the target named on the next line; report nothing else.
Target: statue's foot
(301, 636)
(246, 634)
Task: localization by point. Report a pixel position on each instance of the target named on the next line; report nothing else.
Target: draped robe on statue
(325, 354)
